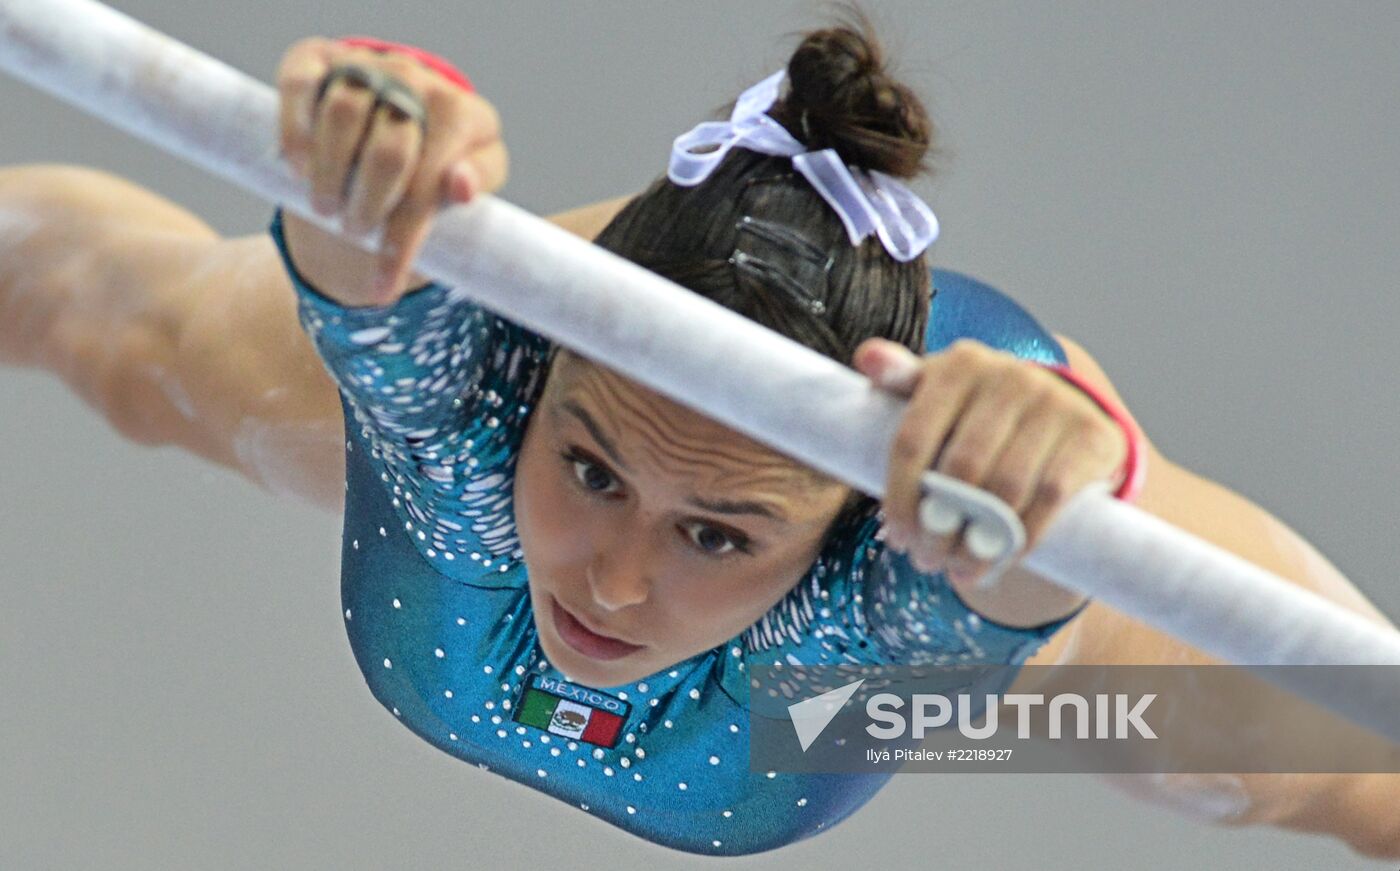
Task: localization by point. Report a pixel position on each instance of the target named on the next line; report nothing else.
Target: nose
(617, 575)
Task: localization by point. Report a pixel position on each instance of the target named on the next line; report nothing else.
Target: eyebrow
(716, 506)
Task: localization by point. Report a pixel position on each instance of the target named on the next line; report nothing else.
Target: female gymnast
(560, 575)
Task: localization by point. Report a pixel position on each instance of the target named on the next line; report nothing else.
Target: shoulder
(964, 307)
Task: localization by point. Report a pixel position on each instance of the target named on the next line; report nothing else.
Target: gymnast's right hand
(371, 165)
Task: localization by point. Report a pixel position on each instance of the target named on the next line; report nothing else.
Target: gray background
(1202, 193)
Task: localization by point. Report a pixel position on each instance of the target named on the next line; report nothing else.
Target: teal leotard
(436, 395)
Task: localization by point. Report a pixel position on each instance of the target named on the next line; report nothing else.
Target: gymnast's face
(650, 524)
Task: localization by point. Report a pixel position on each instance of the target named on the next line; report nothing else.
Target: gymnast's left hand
(1002, 424)
(371, 165)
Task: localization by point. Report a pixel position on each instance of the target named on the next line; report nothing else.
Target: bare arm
(1356, 807)
(90, 268)
(176, 335)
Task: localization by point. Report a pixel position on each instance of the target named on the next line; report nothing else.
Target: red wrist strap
(1135, 466)
(428, 59)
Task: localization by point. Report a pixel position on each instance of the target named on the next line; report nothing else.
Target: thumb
(890, 365)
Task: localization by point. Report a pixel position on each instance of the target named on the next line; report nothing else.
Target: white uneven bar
(703, 355)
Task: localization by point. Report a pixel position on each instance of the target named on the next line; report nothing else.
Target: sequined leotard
(436, 396)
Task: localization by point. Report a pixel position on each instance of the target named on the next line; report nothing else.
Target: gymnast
(560, 575)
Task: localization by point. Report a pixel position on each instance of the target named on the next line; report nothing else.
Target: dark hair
(840, 97)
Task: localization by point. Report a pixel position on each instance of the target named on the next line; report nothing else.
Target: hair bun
(841, 97)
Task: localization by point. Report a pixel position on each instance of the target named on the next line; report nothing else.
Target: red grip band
(428, 59)
(1135, 466)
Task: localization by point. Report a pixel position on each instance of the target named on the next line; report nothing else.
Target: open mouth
(585, 640)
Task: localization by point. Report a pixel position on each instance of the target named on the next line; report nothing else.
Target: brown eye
(713, 541)
(590, 476)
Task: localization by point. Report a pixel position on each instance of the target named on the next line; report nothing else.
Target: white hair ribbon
(868, 201)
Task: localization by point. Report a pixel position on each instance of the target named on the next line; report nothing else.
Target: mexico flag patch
(581, 713)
